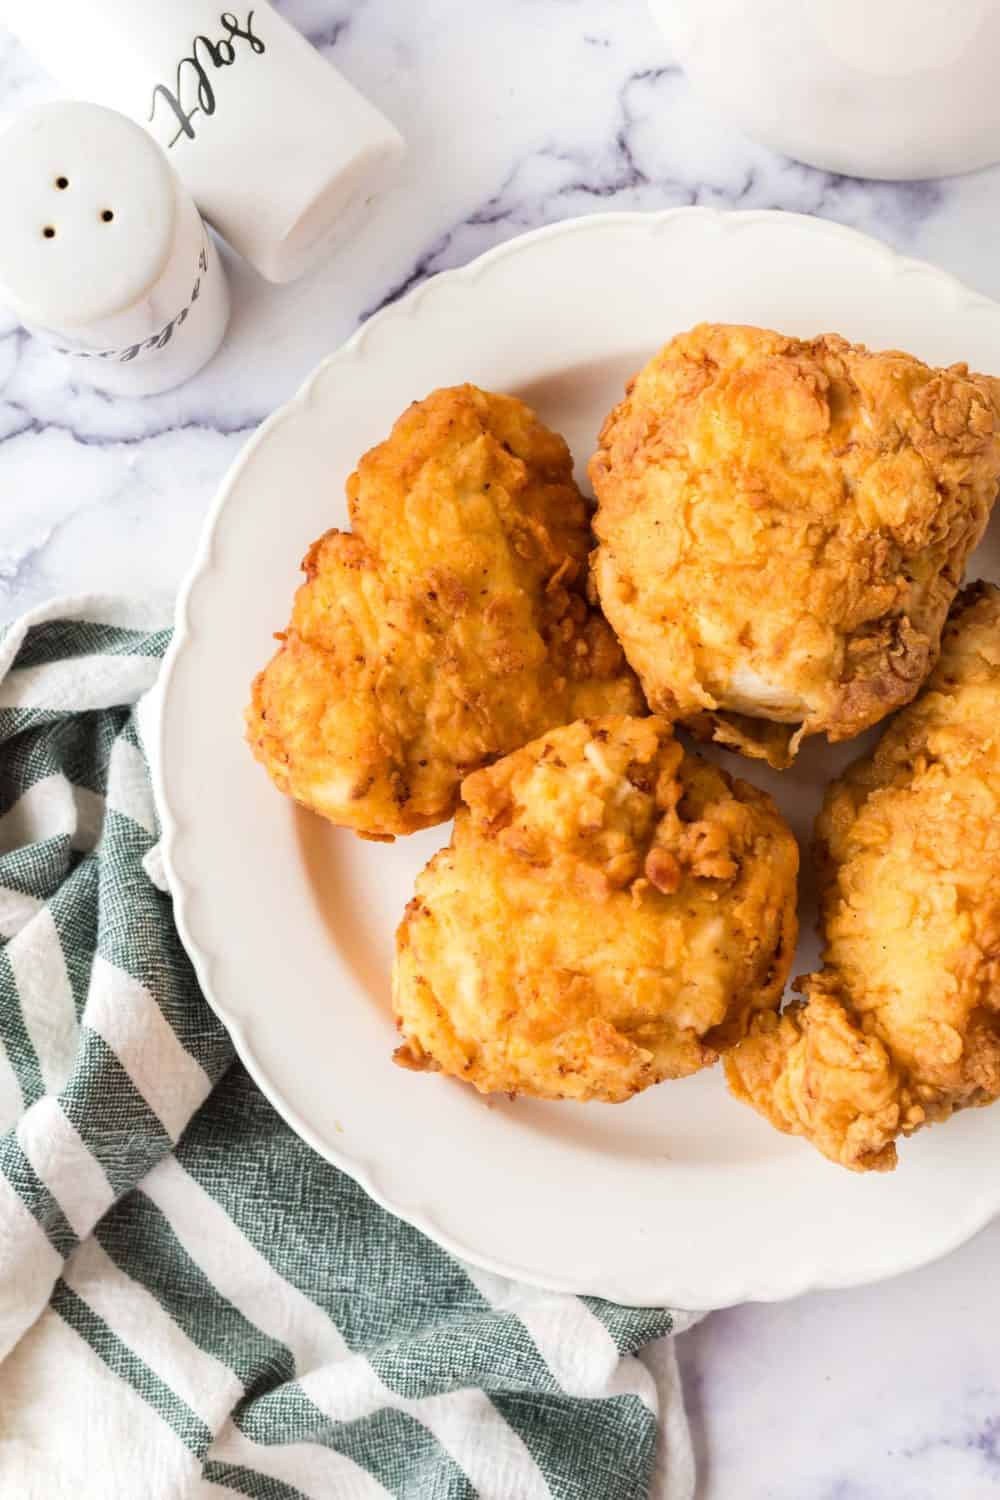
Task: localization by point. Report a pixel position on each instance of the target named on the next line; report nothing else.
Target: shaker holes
(107, 216)
(62, 183)
(49, 232)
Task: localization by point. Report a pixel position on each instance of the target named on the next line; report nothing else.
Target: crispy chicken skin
(783, 525)
(903, 1024)
(610, 912)
(448, 627)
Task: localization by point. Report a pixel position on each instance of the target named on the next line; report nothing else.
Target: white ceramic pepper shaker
(103, 254)
(279, 151)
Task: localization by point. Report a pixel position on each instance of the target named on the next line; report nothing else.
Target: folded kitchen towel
(193, 1303)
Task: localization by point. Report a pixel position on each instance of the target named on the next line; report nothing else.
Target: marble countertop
(547, 109)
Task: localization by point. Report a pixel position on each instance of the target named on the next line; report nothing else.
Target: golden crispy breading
(447, 628)
(609, 913)
(783, 526)
(903, 1025)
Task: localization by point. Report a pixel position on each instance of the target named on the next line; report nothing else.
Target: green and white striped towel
(192, 1303)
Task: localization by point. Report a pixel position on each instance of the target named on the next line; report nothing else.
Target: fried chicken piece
(448, 627)
(902, 1027)
(783, 525)
(610, 913)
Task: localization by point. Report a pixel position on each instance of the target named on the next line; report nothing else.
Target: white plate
(681, 1196)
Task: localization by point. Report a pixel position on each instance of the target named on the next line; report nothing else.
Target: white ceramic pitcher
(872, 88)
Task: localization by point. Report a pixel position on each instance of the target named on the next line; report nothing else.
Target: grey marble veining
(518, 114)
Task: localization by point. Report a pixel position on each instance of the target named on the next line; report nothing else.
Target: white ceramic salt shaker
(103, 254)
(281, 154)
